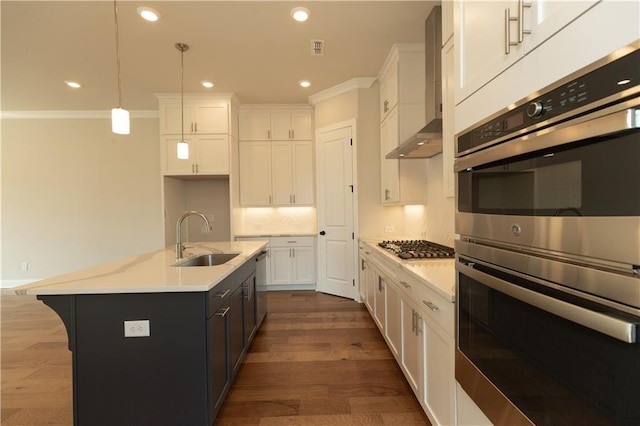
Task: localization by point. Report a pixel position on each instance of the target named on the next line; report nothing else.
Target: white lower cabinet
(393, 327)
(293, 260)
(379, 309)
(412, 346)
(418, 326)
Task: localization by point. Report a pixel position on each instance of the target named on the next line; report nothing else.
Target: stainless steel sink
(209, 259)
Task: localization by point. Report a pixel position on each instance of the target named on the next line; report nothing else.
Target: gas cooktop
(417, 249)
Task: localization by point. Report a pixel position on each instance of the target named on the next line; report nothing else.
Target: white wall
(76, 195)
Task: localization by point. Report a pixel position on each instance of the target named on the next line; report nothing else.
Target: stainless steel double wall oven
(548, 261)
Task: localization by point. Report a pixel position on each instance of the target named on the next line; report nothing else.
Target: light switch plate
(139, 328)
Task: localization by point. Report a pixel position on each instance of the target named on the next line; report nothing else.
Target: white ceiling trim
(347, 86)
(39, 115)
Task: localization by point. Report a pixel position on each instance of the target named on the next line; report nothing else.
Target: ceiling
(251, 48)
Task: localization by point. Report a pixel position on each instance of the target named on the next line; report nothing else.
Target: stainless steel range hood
(427, 141)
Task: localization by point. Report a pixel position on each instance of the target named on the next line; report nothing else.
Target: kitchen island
(153, 343)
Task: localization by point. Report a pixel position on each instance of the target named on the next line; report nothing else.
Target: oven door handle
(613, 327)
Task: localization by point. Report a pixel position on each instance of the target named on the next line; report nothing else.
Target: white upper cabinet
(402, 113)
(448, 125)
(256, 123)
(278, 173)
(276, 156)
(559, 38)
(200, 116)
(208, 155)
(401, 78)
(496, 34)
(209, 122)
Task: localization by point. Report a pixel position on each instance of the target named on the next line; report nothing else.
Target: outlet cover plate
(139, 328)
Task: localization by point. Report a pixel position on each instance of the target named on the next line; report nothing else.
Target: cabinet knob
(322, 233)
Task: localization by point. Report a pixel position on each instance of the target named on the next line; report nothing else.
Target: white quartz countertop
(437, 274)
(148, 273)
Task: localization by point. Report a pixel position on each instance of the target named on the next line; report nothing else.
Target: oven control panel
(555, 103)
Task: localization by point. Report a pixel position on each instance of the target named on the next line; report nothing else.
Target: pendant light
(183, 147)
(119, 116)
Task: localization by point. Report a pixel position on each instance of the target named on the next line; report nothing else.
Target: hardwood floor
(317, 360)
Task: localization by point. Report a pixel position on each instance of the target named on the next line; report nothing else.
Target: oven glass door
(553, 370)
(595, 177)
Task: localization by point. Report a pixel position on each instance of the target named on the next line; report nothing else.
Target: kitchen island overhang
(189, 329)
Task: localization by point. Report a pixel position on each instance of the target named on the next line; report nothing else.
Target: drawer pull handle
(222, 294)
(223, 313)
(406, 285)
(431, 306)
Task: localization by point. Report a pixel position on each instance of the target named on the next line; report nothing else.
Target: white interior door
(336, 267)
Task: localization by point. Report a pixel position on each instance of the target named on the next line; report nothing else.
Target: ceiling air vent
(317, 47)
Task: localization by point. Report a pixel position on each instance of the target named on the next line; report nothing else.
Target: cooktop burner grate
(417, 249)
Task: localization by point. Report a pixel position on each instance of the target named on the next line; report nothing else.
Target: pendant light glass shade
(119, 116)
(120, 121)
(183, 150)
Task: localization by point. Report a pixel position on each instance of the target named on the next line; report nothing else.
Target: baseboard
(285, 287)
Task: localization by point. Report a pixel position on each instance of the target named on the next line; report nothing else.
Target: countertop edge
(155, 267)
(406, 265)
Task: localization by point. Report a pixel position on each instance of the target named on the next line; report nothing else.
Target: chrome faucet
(179, 246)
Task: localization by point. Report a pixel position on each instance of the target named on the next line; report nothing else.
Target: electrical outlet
(138, 328)
(389, 229)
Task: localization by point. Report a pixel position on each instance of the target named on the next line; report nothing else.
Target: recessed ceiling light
(73, 84)
(305, 83)
(300, 14)
(207, 84)
(148, 14)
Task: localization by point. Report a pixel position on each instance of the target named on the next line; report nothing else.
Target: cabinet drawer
(292, 241)
(388, 267)
(434, 307)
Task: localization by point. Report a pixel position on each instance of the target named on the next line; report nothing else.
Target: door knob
(322, 233)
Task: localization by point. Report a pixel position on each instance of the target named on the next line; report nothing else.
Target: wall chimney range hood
(427, 142)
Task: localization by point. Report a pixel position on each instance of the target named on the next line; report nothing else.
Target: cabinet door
(439, 385)
(235, 330)
(255, 173)
(546, 17)
(393, 327)
(389, 91)
(171, 118)
(304, 265)
(212, 154)
(412, 346)
(172, 165)
(482, 44)
(362, 278)
(302, 173)
(448, 111)
(380, 311)
(254, 125)
(301, 129)
(282, 173)
(280, 126)
(211, 118)
(281, 265)
(370, 282)
(249, 295)
(217, 347)
(389, 168)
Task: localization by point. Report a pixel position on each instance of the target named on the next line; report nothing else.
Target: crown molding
(347, 86)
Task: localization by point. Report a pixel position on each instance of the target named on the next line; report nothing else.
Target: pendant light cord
(115, 14)
(182, 91)
(182, 47)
